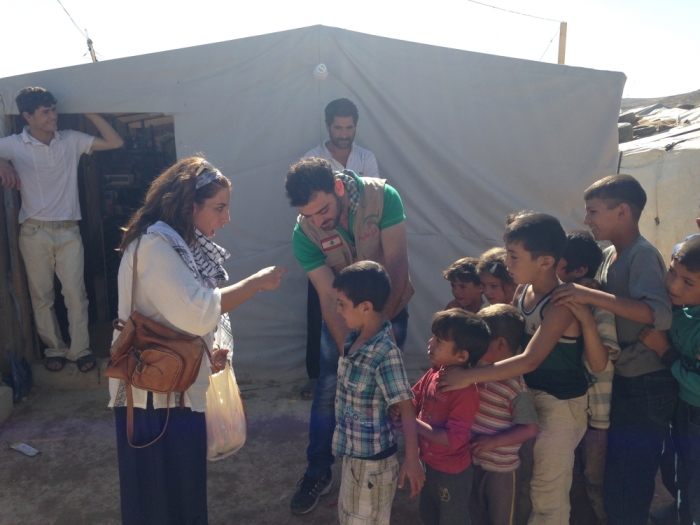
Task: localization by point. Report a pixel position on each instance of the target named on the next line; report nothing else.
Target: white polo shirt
(362, 161)
(49, 174)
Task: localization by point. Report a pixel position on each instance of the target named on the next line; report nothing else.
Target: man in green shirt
(343, 219)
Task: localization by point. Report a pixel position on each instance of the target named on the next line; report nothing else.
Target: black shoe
(309, 490)
(666, 515)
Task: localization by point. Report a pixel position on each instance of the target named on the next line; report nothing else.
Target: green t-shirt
(311, 256)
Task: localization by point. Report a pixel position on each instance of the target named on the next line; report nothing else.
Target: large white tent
(466, 138)
(668, 167)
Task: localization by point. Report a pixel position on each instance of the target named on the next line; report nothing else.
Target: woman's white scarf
(204, 260)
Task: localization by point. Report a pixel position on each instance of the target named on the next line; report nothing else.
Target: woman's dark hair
(171, 199)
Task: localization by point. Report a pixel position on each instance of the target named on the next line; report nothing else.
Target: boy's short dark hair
(30, 99)
(504, 321)
(689, 254)
(581, 251)
(616, 189)
(540, 234)
(493, 262)
(306, 177)
(465, 329)
(364, 281)
(463, 271)
(341, 107)
(510, 218)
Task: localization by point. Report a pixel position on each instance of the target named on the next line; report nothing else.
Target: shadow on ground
(74, 479)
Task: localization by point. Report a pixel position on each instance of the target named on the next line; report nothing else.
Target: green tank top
(562, 373)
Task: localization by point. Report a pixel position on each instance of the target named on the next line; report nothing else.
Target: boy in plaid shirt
(371, 378)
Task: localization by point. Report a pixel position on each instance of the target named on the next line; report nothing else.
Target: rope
(514, 12)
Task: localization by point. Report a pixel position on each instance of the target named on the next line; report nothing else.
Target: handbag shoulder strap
(134, 276)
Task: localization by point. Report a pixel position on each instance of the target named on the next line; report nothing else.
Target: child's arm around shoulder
(596, 352)
(411, 467)
(633, 309)
(557, 320)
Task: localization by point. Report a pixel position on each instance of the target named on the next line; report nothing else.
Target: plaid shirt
(370, 380)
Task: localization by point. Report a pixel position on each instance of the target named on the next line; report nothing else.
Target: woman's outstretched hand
(269, 278)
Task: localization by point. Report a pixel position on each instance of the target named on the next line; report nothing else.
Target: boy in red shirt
(460, 338)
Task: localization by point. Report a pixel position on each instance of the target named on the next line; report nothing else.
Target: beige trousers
(367, 491)
(562, 426)
(47, 250)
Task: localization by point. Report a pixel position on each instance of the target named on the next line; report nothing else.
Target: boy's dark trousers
(640, 413)
(493, 498)
(444, 499)
(687, 432)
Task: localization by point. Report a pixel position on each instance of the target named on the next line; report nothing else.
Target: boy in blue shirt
(371, 378)
(683, 285)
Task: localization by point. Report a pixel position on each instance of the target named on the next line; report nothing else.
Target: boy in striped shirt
(506, 417)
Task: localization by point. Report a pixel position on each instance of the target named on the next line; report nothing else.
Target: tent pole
(562, 43)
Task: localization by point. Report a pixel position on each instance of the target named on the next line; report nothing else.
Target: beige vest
(339, 252)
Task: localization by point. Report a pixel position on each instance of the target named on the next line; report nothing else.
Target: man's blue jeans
(319, 453)
(640, 413)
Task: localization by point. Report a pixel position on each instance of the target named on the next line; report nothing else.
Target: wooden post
(562, 43)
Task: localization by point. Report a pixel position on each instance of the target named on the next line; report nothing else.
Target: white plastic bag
(225, 415)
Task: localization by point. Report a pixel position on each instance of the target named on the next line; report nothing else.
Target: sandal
(307, 391)
(86, 363)
(51, 362)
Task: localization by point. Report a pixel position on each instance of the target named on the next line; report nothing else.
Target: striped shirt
(370, 380)
(503, 404)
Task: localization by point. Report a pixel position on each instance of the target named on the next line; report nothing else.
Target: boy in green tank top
(551, 362)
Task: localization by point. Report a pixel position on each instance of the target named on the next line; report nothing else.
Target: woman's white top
(167, 292)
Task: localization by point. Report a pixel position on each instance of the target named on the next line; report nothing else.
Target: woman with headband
(181, 284)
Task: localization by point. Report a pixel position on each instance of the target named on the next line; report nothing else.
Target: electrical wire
(514, 12)
(550, 43)
(71, 19)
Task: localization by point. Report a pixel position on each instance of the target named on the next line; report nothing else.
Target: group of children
(570, 347)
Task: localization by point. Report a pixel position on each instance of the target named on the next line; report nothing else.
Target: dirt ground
(74, 479)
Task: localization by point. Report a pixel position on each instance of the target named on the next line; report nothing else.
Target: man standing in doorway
(342, 152)
(343, 219)
(45, 171)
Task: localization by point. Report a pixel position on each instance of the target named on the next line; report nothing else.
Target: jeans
(641, 410)
(319, 453)
(687, 427)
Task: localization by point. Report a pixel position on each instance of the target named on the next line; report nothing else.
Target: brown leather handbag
(152, 357)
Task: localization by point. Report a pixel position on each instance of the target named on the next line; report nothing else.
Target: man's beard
(347, 144)
(338, 213)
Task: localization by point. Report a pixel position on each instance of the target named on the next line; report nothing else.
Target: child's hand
(395, 413)
(571, 293)
(412, 469)
(581, 312)
(589, 282)
(481, 444)
(454, 303)
(453, 378)
(657, 340)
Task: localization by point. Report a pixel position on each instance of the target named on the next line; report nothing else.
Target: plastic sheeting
(466, 138)
(668, 167)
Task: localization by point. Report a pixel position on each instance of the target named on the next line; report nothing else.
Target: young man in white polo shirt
(45, 171)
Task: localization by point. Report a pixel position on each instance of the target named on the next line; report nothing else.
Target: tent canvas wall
(668, 167)
(466, 138)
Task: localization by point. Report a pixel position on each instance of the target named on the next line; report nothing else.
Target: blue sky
(653, 42)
